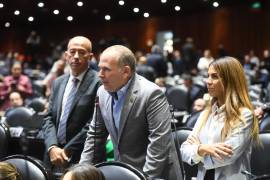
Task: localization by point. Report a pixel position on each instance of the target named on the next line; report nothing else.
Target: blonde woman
(8, 172)
(222, 138)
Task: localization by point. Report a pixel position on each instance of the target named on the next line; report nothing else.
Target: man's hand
(58, 156)
(218, 150)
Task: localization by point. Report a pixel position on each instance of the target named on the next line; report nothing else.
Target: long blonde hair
(233, 78)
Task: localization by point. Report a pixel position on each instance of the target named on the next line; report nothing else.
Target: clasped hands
(58, 156)
(217, 150)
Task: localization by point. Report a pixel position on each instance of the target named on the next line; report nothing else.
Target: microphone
(97, 110)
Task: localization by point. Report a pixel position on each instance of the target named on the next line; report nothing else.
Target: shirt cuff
(196, 157)
(51, 148)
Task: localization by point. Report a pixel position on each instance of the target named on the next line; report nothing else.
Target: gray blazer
(144, 139)
(79, 117)
(230, 167)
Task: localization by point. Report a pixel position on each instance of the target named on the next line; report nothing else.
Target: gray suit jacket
(79, 117)
(144, 139)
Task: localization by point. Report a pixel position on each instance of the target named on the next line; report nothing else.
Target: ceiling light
(56, 11)
(215, 4)
(121, 2)
(146, 14)
(40, 4)
(177, 8)
(136, 10)
(30, 18)
(107, 17)
(1, 5)
(70, 18)
(16, 12)
(163, 1)
(79, 3)
(7, 24)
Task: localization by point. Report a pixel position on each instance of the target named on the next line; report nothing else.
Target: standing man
(135, 113)
(71, 106)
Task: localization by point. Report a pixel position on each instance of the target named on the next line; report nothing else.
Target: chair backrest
(38, 104)
(265, 124)
(29, 168)
(177, 96)
(4, 138)
(182, 134)
(260, 159)
(192, 119)
(120, 171)
(20, 116)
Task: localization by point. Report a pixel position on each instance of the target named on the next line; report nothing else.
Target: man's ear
(127, 71)
(90, 55)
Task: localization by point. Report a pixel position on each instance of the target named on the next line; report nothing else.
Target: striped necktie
(61, 133)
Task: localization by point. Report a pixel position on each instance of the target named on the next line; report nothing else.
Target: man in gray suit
(135, 113)
(71, 106)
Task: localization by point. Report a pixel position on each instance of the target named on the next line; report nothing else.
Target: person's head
(60, 67)
(79, 52)
(16, 69)
(207, 53)
(227, 85)
(199, 104)
(117, 65)
(15, 99)
(83, 172)
(8, 172)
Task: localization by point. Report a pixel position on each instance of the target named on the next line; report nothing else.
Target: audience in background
(9, 172)
(15, 82)
(145, 70)
(156, 60)
(198, 105)
(83, 172)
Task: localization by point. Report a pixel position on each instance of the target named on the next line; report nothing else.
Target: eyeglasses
(81, 53)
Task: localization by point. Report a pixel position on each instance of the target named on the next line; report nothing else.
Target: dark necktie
(61, 133)
(114, 97)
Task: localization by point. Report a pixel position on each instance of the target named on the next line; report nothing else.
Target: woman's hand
(193, 140)
(218, 150)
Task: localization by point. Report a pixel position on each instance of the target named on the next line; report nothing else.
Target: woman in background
(222, 138)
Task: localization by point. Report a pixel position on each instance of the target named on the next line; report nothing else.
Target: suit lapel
(128, 104)
(82, 89)
(60, 97)
(114, 133)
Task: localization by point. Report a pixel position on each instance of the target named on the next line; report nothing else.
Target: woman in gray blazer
(222, 138)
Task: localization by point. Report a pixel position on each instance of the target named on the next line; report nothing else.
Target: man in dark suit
(135, 112)
(71, 106)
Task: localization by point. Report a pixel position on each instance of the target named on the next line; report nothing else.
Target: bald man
(71, 106)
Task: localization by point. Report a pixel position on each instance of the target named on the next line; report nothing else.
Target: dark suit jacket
(144, 139)
(79, 117)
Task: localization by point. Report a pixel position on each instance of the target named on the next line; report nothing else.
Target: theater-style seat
(4, 138)
(120, 171)
(260, 158)
(181, 135)
(30, 168)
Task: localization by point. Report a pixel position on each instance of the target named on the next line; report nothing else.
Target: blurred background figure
(204, 62)
(145, 70)
(15, 82)
(8, 172)
(156, 60)
(83, 172)
(32, 48)
(198, 105)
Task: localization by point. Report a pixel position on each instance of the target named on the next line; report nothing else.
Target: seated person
(15, 82)
(8, 171)
(83, 172)
(15, 100)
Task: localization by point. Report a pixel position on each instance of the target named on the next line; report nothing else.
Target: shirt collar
(80, 77)
(216, 109)
(121, 92)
